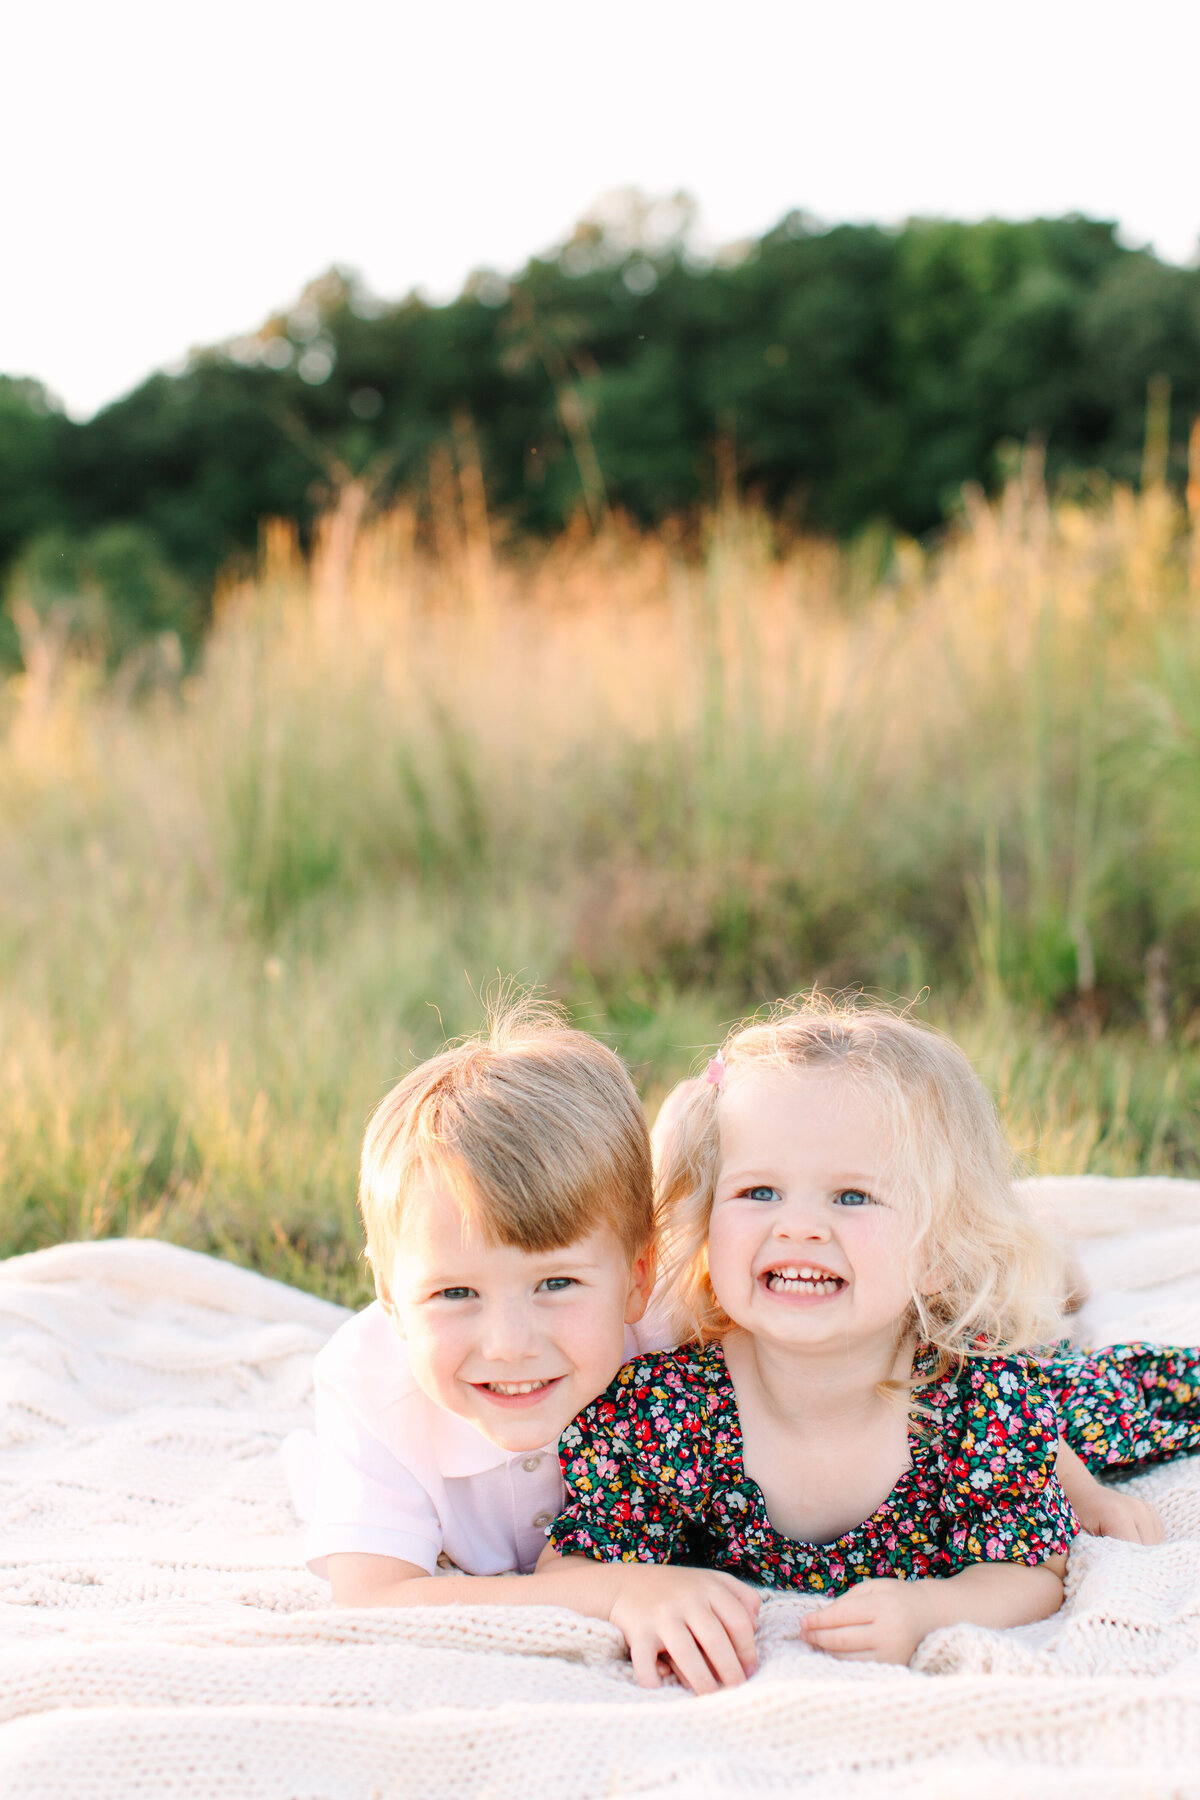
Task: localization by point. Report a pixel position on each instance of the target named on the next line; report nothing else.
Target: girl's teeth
(516, 1387)
(803, 1281)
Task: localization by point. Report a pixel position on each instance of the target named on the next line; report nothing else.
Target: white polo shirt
(397, 1475)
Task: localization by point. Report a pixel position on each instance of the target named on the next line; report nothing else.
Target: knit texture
(160, 1637)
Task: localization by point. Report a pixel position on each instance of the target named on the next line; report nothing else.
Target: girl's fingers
(688, 1659)
(719, 1650)
(748, 1598)
(706, 1653)
(840, 1639)
(740, 1627)
(644, 1653)
(849, 1610)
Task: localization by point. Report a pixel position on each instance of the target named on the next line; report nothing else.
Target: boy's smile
(515, 1341)
(518, 1396)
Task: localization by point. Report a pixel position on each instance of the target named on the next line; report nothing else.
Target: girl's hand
(699, 1622)
(1108, 1514)
(884, 1620)
(1102, 1512)
(880, 1620)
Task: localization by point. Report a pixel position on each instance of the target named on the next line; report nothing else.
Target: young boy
(507, 1194)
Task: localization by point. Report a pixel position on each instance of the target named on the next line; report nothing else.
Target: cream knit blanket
(160, 1637)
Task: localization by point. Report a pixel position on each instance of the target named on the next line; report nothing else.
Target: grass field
(667, 779)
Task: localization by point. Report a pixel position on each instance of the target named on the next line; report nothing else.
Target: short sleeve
(628, 1463)
(366, 1500)
(998, 1445)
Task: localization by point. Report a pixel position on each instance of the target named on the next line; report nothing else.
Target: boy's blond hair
(533, 1127)
(992, 1268)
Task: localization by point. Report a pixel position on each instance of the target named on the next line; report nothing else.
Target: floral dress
(654, 1472)
(1128, 1404)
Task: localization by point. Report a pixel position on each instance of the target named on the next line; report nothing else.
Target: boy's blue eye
(558, 1284)
(853, 1197)
(455, 1293)
(762, 1193)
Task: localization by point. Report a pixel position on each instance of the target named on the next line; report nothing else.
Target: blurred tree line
(850, 375)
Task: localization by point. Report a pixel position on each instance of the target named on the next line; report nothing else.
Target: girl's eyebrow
(763, 1173)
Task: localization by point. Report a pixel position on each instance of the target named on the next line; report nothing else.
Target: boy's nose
(510, 1335)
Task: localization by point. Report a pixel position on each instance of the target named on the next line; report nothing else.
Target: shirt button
(541, 1520)
(531, 1463)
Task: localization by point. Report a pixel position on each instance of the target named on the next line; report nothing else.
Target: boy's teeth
(516, 1387)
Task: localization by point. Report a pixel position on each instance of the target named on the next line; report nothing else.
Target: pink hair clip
(715, 1073)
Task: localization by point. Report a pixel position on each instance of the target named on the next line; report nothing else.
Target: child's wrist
(935, 1604)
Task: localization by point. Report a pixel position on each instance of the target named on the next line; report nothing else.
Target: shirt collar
(460, 1449)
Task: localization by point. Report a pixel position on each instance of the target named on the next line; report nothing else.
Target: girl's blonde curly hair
(951, 1163)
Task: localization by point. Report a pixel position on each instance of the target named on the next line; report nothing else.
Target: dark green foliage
(31, 432)
(847, 376)
(107, 591)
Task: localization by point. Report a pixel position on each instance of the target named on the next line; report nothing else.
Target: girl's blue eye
(455, 1293)
(762, 1193)
(557, 1284)
(854, 1197)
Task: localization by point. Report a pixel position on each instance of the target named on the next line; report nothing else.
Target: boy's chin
(517, 1443)
(518, 1440)
(521, 1429)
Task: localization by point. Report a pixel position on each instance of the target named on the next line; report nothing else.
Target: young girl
(859, 1411)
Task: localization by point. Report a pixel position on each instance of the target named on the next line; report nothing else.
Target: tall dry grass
(668, 784)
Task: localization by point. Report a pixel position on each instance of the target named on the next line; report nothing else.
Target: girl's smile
(806, 1284)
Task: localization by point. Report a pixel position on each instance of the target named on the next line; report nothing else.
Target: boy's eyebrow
(557, 1258)
(450, 1277)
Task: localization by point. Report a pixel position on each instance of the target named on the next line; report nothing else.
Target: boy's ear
(641, 1285)
(383, 1293)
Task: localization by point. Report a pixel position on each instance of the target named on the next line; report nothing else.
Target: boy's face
(515, 1341)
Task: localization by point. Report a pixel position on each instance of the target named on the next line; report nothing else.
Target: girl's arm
(699, 1621)
(1011, 1505)
(1100, 1510)
(885, 1620)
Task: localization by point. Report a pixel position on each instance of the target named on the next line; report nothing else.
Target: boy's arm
(356, 1579)
(700, 1621)
(1100, 1510)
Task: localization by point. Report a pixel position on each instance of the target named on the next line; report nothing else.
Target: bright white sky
(173, 172)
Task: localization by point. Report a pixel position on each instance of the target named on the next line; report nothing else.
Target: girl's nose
(799, 1222)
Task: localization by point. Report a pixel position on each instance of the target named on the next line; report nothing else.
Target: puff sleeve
(631, 1463)
(997, 1441)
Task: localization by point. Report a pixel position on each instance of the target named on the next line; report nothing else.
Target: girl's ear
(933, 1279)
(641, 1285)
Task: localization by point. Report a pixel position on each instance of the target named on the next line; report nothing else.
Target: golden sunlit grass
(668, 785)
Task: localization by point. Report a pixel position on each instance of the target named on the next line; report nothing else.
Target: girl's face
(808, 1239)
